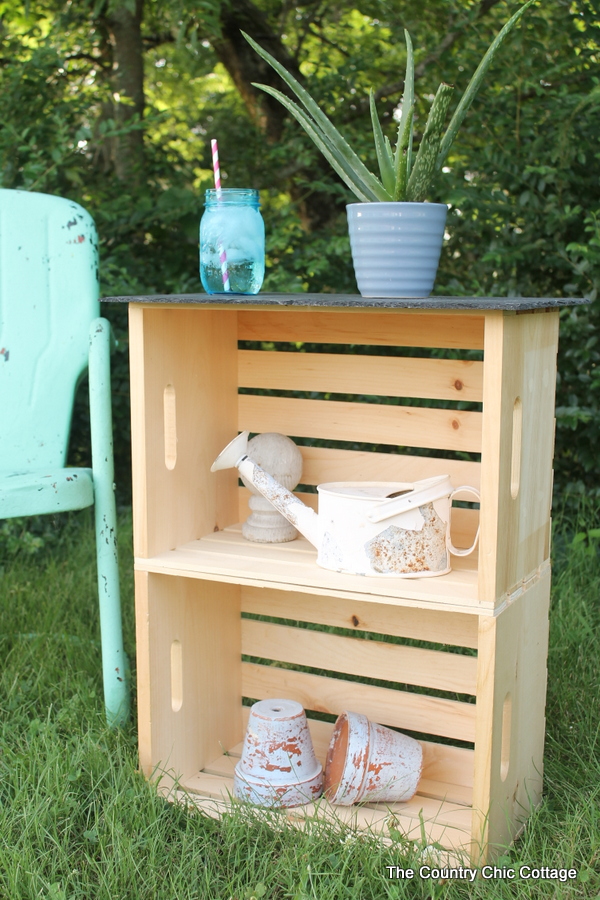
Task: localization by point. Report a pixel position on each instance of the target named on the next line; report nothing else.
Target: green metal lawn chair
(49, 334)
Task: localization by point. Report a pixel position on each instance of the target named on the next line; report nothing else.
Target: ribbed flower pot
(367, 762)
(396, 247)
(278, 766)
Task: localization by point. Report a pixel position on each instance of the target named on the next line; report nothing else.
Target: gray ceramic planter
(396, 247)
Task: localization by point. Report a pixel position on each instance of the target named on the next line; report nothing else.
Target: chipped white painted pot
(278, 766)
(367, 762)
(396, 247)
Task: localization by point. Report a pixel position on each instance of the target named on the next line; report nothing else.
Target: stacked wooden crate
(458, 660)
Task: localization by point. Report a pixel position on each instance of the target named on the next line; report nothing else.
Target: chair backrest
(48, 298)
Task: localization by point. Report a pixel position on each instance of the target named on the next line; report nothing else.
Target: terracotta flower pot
(278, 766)
(368, 762)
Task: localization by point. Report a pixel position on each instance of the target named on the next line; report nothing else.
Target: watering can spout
(234, 453)
(301, 516)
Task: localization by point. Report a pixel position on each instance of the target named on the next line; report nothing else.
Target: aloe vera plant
(401, 177)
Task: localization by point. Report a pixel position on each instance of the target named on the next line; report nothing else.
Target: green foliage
(407, 183)
(521, 176)
(29, 536)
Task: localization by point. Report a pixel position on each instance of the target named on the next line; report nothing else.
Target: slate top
(353, 301)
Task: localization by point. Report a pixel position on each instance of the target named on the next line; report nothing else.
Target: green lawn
(78, 821)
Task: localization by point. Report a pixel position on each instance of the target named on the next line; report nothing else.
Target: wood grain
(356, 656)
(455, 629)
(403, 426)
(406, 328)
(401, 709)
(437, 379)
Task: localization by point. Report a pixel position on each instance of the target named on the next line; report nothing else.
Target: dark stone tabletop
(354, 301)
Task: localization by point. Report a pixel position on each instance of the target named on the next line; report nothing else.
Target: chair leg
(115, 667)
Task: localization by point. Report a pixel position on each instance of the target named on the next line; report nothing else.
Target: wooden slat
(515, 523)
(412, 712)
(454, 629)
(402, 329)
(357, 656)
(437, 379)
(405, 426)
(196, 357)
(510, 729)
(204, 620)
(225, 765)
(227, 556)
(445, 823)
(322, 464)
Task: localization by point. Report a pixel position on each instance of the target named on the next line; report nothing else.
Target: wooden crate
(475, 693)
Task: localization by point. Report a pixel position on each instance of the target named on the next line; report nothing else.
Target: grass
(78, 821)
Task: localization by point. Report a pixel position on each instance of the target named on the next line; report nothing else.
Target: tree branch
(96, 60)
(245, 66)
(396, 88)
(155, 40)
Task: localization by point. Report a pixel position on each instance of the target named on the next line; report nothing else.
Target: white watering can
(365, 527)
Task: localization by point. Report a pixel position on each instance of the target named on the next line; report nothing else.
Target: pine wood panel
(193, 354)
(401, 328)
(145, 668)
(437, 379)
(520, 368)
(510, 750)
(446, 823)
(204, 619)
(356, 656)
(455, 629)
(401, 709)
(405, 426)
(322, 464)
(227, 556)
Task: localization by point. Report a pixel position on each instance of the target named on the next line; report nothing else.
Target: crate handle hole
(170, 424)
(176, 676)
(517, 436)
(506, 729)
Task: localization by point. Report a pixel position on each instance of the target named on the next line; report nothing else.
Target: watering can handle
(425, 491)
(449, 544)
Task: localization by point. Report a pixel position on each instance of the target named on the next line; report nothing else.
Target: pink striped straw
(217, 174)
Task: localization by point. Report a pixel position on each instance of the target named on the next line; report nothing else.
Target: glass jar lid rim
(232, 196)
(251, 192)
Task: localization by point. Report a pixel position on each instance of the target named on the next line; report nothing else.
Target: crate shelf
(227, 556)
(444, 808)
(459, 659)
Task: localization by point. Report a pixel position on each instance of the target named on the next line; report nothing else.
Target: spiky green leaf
(424, 168)
(475, 83)
(388, 146)
(403, 156)
(336, 161)
(325, 126)
(384, 156)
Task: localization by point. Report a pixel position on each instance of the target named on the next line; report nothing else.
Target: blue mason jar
(232, 242)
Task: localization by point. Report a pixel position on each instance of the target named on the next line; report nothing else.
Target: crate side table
(220, 619)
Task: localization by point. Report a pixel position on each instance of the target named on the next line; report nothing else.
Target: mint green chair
(50, 332)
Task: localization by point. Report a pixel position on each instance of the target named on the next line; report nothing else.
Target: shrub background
(112, 103)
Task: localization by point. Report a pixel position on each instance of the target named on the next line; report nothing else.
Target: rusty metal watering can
(365, 527)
